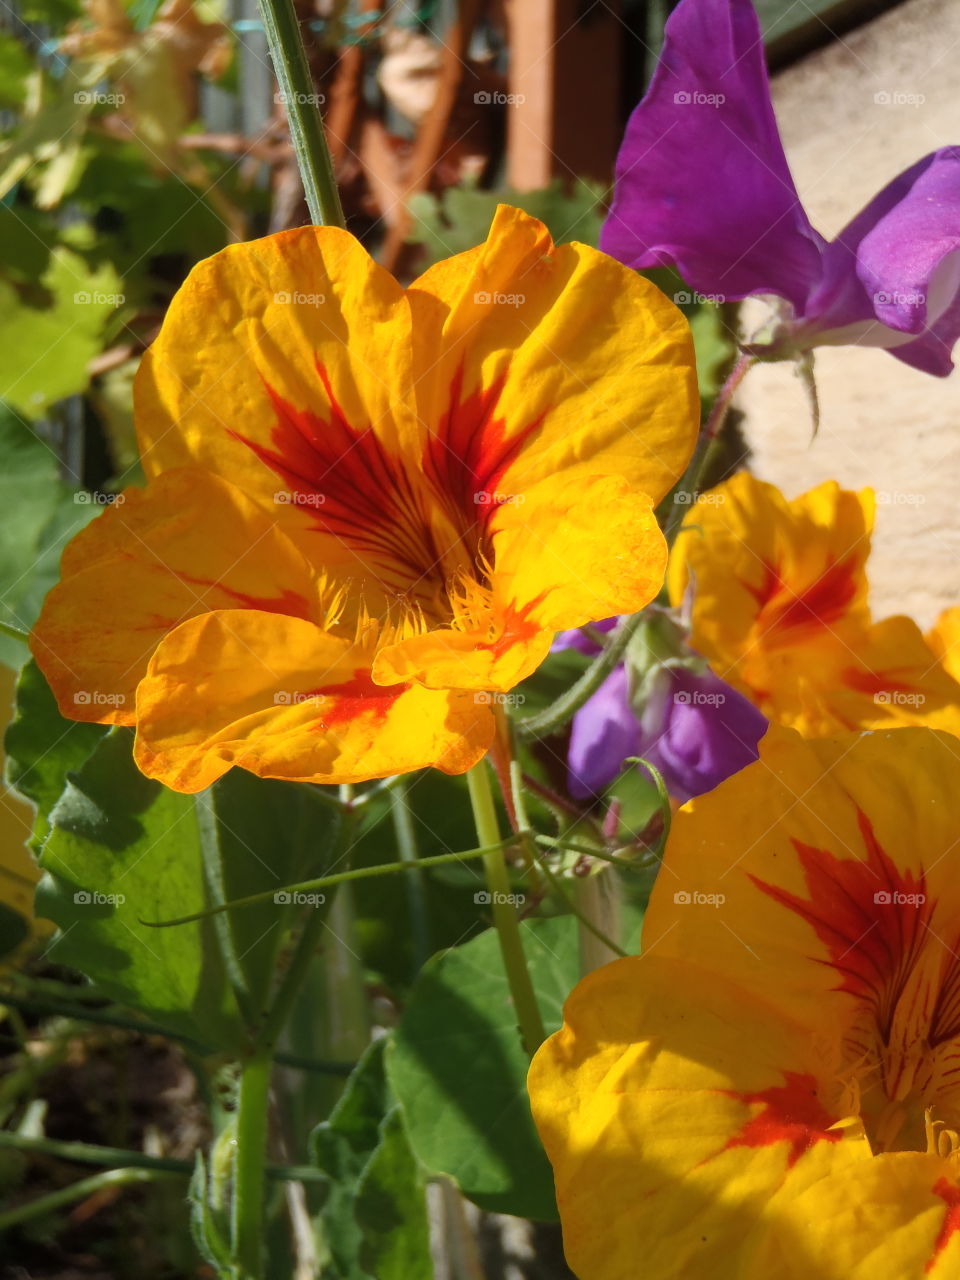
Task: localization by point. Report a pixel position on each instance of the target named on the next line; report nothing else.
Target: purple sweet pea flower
(703, 185)
(695, 729)
(577, 638)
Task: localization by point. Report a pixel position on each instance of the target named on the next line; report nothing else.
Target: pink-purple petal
(702, 179)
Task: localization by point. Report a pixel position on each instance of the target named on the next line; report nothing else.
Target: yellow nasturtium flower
(369, 507)
(778, 606)
(772, 1090)
(944, 640)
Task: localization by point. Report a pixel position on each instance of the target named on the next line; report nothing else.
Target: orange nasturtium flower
(944, 640)
(778, 606)
(368, 507)
(772, 1090)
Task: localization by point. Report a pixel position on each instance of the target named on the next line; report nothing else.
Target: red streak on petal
(821, 604)
(872, 682)
(290, 603)
(862, 912)
(349, 483)
(791, 1112)
(359, 696)
(469, 450)
(949, 1193)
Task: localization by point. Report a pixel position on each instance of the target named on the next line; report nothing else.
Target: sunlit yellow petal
(671, 1145)
(187, 544)
(284, 699)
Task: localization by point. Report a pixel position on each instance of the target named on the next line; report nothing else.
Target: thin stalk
(43, 1006)
(253, 1105)
(246, 1222)
(15, 633)
(504, 912)
(303, 112)
(87, 1153)
(693, 477)
(565, 707)
(45, 1205)
(407, 845)
(342, 877)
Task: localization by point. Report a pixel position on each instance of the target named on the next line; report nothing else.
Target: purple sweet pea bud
(605, 732)
(577, 638)
(695, 729)
(699, 731)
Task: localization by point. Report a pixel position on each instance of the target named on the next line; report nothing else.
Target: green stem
(14, 633)
(504, 912)
(87, 1153)
(253, 1102)
(45, 1205)
(407, 844)
(249, 1167)
(43, 1006)
(699, 463)
(565, 707)
(303, 112)
(342, 877)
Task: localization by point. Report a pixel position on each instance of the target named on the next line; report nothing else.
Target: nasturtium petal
(593, 365)
(778, 603)
(818, 852)
(895, 1216)
(283, 698)
(943, 639)
(671, 1144)
(187, 544)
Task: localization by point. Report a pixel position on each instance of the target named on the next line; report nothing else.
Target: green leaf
(208, 1225)
(458, 1068)
(46, 351)
(260, 834)
(41, 515)
(15, 66)
(374, 1218)
(461, 219)
(46, 149)
(122, 849)
(392, 1208)
(42, 747)
(384, 907)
